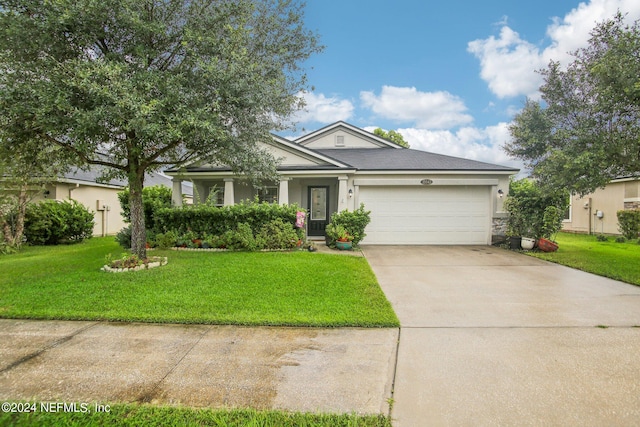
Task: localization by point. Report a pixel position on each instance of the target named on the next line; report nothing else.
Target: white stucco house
(415, 197)
(596, 213)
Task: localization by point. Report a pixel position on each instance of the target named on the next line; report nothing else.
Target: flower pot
(344, 246)
(527, 243)
(546, 245)
(514, 242)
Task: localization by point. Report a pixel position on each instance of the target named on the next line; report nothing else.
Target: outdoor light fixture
(500, 193)
(350, 193)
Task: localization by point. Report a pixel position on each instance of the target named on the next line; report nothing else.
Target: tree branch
(82, 155)
(184, 159)
(151, 159)
(103, 46)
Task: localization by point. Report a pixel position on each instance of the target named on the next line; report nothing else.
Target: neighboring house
(415, 197)
(101, 198)
(596, 213)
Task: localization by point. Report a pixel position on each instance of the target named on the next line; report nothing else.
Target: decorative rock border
(229, 250)
(158, 261)
(175, 248)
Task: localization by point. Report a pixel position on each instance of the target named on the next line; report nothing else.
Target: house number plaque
(426, 181)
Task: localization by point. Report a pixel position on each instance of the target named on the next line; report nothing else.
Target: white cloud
(508, 62)
(484, 145)
(431, 110)
(321, 109)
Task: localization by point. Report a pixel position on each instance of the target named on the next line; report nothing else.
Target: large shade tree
(135, 85)
(586, 130)
(392, 136)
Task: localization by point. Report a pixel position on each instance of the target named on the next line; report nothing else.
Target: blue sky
(448, 75)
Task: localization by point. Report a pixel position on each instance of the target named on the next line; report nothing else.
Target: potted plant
(515, 226)
(338, 234)
(528, 204)
(527, 243)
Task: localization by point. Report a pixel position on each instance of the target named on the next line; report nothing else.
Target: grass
(143, 415)
(619, 261)
(234, 288)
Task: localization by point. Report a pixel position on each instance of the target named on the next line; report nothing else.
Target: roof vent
(339, 140)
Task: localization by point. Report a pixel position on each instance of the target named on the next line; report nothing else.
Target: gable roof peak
(303, 140)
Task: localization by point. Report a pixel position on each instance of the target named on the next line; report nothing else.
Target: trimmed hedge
(629, 223)
(211, 220)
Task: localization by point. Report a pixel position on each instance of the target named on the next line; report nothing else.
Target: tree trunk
(22, 211)
(13, 236)
(138, 232)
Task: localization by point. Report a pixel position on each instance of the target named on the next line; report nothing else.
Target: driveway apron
(493, 337)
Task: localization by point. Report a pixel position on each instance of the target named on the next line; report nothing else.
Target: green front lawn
(235, 288)
(147, 416)
(620, 261)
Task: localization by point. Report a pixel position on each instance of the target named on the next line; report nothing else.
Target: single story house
(415, 197)
(596, 213)
(101, 198)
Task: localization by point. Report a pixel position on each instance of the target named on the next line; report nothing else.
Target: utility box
(100, 205)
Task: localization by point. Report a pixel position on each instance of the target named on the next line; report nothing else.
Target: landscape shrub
(534, 211)
(354, 222)
(165, 240)
(277, 234)
(52, 222)
(124, 237)
(240, 239)
(629, 223)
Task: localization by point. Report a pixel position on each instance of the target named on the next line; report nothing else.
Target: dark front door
(318, 210)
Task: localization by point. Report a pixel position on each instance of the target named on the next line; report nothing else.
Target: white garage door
(446, 215)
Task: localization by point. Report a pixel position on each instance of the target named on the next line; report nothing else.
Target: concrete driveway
(492, 337)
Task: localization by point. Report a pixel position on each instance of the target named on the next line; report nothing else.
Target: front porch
(321, 195)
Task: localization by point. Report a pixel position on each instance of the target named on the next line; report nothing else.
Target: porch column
(176, 192)
(229, 196)
(283, 191)
(342, 193)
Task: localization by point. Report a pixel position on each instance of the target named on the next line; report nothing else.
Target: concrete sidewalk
(295, 369)
(491, 337)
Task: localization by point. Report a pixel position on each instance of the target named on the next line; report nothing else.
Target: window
(318, 204)
(216, 195)
(268, 194)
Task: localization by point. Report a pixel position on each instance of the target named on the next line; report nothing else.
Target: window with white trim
(216, 195)
(268, 194)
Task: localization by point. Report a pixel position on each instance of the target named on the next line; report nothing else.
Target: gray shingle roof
(95, 171)
(91, 176)
(406, 160)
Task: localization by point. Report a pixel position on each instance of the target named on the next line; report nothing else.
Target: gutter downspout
(591, 224)
(71, 189)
